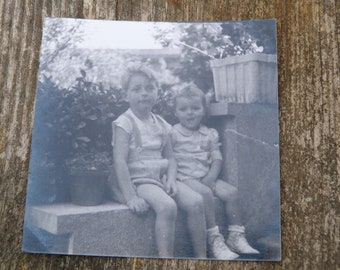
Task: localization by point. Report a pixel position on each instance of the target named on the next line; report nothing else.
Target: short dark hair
(137, 70)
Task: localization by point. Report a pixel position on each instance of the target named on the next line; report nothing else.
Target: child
(199, 161)
(146, 169)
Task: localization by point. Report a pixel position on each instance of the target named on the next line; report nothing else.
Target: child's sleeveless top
(147, 139)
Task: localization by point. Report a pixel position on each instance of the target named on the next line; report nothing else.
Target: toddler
(145, 169)
(199, 161)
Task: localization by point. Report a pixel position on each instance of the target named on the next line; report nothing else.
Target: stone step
(109, 229)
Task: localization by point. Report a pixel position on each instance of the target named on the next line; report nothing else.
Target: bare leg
(208, 198)
(228, 194)
(216, 242)
(192, 203)
(166, 213)
(236, 240)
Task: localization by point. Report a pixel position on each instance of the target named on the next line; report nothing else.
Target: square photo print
(156, 139)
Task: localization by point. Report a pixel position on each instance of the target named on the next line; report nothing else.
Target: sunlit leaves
(200, 42)
(59, 37)
(81, 125)
(92, 117)
(83, 139)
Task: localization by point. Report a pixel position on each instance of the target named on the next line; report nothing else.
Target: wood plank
(308, 53)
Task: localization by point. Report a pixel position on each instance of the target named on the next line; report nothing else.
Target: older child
(196, 149)
(146, 169)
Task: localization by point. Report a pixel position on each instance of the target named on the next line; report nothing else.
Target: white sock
(236, 228)
(213, 230)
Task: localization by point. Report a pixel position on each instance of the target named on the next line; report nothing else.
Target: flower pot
(248, 78)
(87, 187)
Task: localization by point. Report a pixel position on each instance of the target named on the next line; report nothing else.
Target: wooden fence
(308, 60)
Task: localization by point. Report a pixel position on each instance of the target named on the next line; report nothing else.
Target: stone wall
(246, 116)
(250, 147)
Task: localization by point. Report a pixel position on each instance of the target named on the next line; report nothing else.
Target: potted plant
(89, 110)
(239, 57)
(88, 178)
(248, 78)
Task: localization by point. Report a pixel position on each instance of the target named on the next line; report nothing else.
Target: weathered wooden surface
(309, 88)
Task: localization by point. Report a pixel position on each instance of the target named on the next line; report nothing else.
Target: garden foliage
(199, 43)
(79, 94)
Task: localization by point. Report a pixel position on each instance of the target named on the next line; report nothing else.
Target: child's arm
(215, 168)
(216, 156)
(120, 157)
(171, 187)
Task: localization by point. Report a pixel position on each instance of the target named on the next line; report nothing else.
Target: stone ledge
(97, 230)
(218, 109)
(110, 229)
(53, 218)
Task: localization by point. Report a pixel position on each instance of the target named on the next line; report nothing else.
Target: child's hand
(209, 181)
(138, 205)
(171, 188)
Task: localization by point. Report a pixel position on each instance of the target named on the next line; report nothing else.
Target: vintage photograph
(156, 139)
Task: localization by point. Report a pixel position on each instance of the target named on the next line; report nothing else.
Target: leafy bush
(88, 111)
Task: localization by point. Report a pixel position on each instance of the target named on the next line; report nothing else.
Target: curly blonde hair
(190, 91)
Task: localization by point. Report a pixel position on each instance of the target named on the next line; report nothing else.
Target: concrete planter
(248, 78)
(87, 187)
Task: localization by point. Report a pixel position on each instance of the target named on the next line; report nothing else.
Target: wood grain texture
(309, 88)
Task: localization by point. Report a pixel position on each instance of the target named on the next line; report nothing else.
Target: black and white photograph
(156, 140)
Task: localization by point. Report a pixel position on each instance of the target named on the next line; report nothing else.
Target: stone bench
(109, 229)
